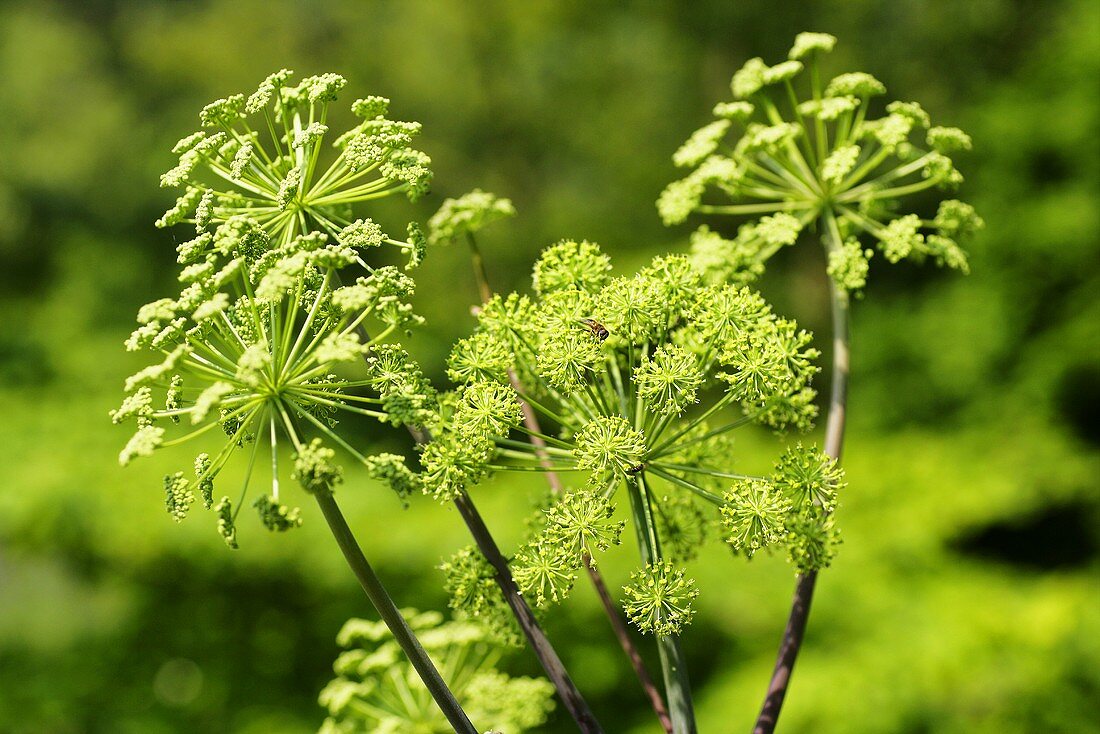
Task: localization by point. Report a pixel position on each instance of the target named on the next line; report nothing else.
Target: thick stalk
(555, 670)
(381, 600)
(834, 443)
(531, 422)
(673, 664)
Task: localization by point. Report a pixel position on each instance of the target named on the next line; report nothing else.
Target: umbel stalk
(555, 670)
(834, 443)
(552, 665)
(673, 664)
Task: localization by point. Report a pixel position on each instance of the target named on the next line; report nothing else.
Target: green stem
(381, 600)
(834, 442)
(571, 697)
(673, 664)
(784, 206)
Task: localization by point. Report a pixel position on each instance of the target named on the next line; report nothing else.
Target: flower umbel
(254, 349)
(265, 157)
(638, 375)
(658, 599)
(787, 162)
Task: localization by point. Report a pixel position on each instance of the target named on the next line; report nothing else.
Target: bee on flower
(643, 407)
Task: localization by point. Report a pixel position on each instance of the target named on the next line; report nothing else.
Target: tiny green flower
(314, 468)
(581, 521)
(754, 516)
(571, 265)
(226, 527)
(609, 445)
(670, 380)
(808, 479)
(659, 599)
(470, 582)
(391, 469)
(276, 516)
(544, 572)
(812, 540)
(806, 44)
(178, 495)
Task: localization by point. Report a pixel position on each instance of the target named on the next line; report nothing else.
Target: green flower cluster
(263, 157)
(254, 345)
(637, 376)
(794, 506)
(466, 215)
(658, 599)
(377, 689)
(820, 158)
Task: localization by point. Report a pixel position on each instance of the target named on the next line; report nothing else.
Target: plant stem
(622, 634)
(571, 697)
(673, 665)
(535, 436)
(834, 443)
(480, 275)
(611, 611)
(381, 600)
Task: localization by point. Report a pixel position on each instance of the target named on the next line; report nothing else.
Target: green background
(965, 597)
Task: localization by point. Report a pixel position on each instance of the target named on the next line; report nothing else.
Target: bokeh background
(966, 596)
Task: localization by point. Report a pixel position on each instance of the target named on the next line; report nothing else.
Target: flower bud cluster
(265, 157)
(794, 506)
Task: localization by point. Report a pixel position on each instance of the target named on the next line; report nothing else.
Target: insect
(635, 469)
(598, 330)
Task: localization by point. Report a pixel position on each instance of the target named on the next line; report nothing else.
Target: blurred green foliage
(965, 596)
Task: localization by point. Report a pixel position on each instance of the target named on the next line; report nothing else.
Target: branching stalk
(555, 670)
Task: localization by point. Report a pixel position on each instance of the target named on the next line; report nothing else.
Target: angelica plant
(636, 374)
(254, 347)
(788, 156)
(376, 690)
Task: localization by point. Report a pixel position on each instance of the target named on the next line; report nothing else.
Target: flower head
(821, 161)
(466, 215)
(253, 349)
(637, 382)
(659, 599)
(265, 157)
